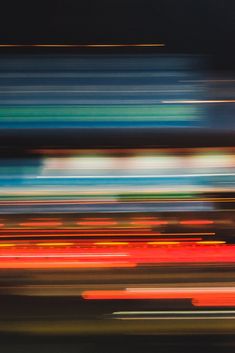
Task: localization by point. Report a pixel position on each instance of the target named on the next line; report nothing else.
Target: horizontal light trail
(43, 264)
(200, 296)
(172, 239)
(41, 224)
(175, 312)
(128, 223)
(99, 219)
(179, 290)
(54, 244)
(84, 243)
(193, 318)
(89, 231)
(55, 201)
(130, 199)
(138, 253)
(136, 242)
(129, 176)
(84, 45)
(186, 234)
(89, 91)
(164, 242)
(120, 151)
(198, 101)
(175, 315)
(212, 242)
(111, 243)
(73, 235)
(97, 223)
(12, 232)
(7, 245)
(196, 222)
(148, 223)
(58, 255)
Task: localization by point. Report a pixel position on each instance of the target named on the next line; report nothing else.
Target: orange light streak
(149, 223)
(19, 264)
(97, 223)
(112, 243)
(211, 233)
(196, 222)
(40, 224)
(164, 242)
(54, 244)
(7, 245)
(215, 242)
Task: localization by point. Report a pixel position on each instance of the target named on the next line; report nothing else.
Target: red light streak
(138, 253)
(209, 297)
(215, 300)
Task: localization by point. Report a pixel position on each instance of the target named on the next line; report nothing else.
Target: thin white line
(177, 318)
(173, 312)
(183, 289)
(94, 91)
(128, 176)
(101, 74)
(197, 101)
(184, 81)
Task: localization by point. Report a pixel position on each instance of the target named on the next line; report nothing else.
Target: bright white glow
(143, 162)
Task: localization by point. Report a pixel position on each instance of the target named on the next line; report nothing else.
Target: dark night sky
(188, 26)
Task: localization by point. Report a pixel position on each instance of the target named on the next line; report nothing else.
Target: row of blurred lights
(105, 244)
(109, 222)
